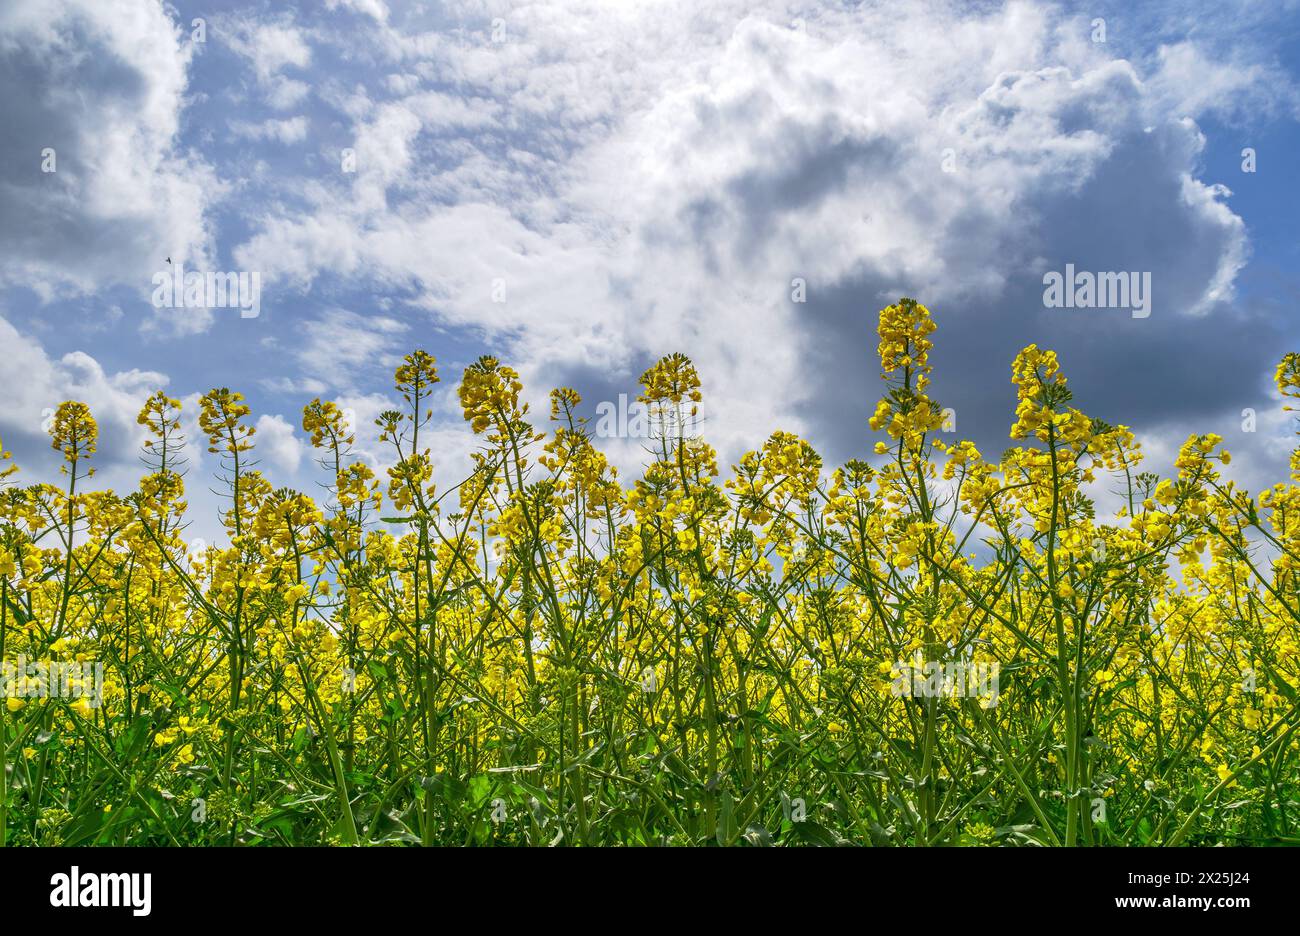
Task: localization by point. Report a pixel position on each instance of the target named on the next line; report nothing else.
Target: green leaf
(727, 830)
(480, 789)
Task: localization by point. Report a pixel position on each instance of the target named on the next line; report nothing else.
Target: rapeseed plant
(541, 655)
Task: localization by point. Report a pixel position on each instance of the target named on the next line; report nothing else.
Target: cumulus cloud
(614, 185)
(278, 447)
(607, 184)
(103, 84)
(270, 46)
(275, 48)
(37, 383)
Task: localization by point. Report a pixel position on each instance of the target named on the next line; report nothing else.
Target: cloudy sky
(581, 187)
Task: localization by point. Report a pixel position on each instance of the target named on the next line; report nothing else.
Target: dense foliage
(540, 655)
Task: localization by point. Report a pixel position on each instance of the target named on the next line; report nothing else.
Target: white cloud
(287, 385)
(376, 9)
(36, 385)
(278, 446)
(105, 82)
(286, 93)
(649, 178)
(616, 182)
(269, 46)
(1193, 83)
(292, 130)
(334, 347)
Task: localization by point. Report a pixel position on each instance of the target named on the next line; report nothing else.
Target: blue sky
(643, 178)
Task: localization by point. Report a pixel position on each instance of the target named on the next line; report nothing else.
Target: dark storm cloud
(93, 93)
(40, 211)
(1191, 358)
(1144, 373)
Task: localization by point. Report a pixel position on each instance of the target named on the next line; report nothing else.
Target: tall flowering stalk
(922, 646)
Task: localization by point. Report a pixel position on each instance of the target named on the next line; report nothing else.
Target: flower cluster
(541, 654)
